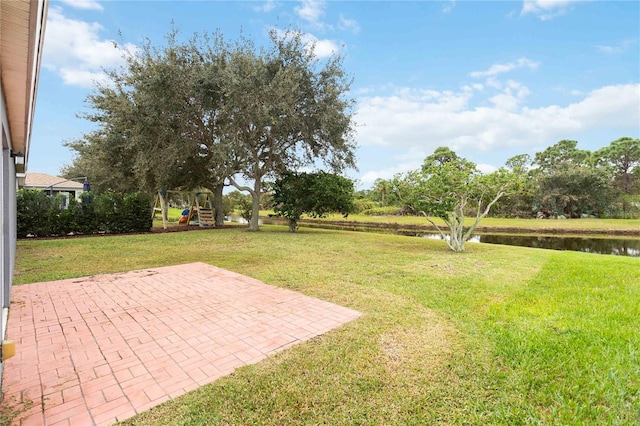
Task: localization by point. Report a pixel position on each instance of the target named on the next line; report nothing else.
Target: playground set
(200, 211)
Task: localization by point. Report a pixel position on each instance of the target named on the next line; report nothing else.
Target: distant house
(22, 25)
(54, 185)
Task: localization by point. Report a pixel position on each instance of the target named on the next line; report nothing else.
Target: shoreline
(486, 229)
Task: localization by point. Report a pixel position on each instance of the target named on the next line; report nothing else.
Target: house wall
(22, 27)
(7, 220)
(9, 231)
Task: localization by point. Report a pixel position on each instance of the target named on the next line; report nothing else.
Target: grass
(631, 226)
(174, 214)
(496, 335)
(12, 408)
(624, 226)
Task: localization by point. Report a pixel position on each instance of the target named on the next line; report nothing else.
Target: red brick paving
(100, 349)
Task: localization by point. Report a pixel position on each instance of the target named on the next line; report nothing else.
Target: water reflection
(238, 219)
(588, 244)
(616, 246)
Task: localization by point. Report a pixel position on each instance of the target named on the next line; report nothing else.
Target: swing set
(200, 211)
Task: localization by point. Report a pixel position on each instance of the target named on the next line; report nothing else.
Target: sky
(489, 80)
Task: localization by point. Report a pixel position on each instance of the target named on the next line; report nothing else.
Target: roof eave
(21, 69)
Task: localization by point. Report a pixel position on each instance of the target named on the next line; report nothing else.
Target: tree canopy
(288, 111)
(196, 114)
(559, 181)
(445, 187)
(314, 194)
(622, 159)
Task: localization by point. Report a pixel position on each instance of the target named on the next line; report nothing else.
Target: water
(237, 219)
(615, 246)
(584, 243)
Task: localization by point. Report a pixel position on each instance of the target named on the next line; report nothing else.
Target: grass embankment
(620, 227)
(496, 335)
(493, 224)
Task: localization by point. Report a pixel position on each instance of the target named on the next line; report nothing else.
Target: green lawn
(551, 226)
(631, 226)
(496, 335)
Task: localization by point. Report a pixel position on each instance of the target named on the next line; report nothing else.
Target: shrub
(42, 216)
(33, 212)
(136, 212)
(362, 204)
(383, 211)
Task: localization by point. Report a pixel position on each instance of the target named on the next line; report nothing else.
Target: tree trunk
(255, 200)
(255, 207)
(293, 225)
(164, 208)
(217, 204)
(165, 211)
(456, 228)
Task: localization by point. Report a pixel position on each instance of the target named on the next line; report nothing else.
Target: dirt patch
(18, 302)
(182, 228)
(117, 276)
(420, 348)
(444, 268)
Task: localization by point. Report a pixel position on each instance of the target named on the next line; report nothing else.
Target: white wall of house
(7, 219)
(22, 24)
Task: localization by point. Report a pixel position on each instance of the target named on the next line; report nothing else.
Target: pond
(586, 243)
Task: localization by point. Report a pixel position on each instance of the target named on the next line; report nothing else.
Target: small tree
(445, 187)
(240, 203)
(315, 194)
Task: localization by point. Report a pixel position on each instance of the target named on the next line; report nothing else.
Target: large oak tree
(287, 109)
(192, 115)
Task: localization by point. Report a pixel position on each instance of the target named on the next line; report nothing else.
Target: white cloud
(266, 6)
(322, 48)
(448, 6)
(571, 92)
(616, 49)
(546, 9)
(608, 49)
(496, 69)
(83, 4)
(312, 11)
(368, 178)
(82, 78)
(424, 120)
(486, 168)
(76, 52)
(504, 101)
(348, 24)
(511, 97)
(614, 106)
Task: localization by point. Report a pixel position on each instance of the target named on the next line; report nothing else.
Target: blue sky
(488, 79)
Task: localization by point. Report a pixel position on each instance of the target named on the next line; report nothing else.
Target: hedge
(39, 215)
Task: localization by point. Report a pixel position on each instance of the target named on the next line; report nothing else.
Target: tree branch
(444, 236)
(240, 187)
(479, 217)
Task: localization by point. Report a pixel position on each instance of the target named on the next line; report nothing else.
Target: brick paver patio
(101, 349)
